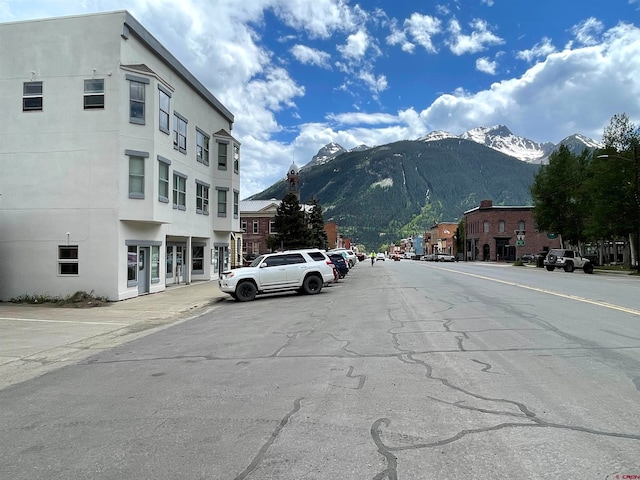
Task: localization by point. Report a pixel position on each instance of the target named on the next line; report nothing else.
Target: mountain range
(380, 194)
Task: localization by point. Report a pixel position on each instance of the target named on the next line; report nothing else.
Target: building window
(31, 96)
(236, 158)
(179, 132)
(222, 202)
(155, 264)
(272, 226)
(136, 177)
(136, 102)
(222, 156)
(163, 110)
(521, 225)
(132, 265)
(256, 226)
(202, 198)
(485, 226)
(501, 226)
(202, 147)
(94, 93)
(67, 260)
(163, 179)
(236, 204)
(243, 225)
(179, 191)
(197, 259)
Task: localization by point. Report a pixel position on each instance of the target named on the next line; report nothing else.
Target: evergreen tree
(560, 196)
(291, 224)
(318, 235)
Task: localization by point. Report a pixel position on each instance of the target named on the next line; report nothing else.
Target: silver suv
(567, 260)
(306, 271)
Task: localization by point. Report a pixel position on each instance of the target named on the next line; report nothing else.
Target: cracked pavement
(406, 370)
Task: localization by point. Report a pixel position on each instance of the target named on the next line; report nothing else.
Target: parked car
(361, 256)
(528, 257)
(340, 263)
(445, 257)
(429, 257)
(380, 256)
(305, 271)
(352, 258)
(567, 260)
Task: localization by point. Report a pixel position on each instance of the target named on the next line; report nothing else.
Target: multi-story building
(441, 239)
(498, 232)
(118, 171)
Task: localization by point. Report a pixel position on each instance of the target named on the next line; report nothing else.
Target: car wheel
(552, 258)
(550, 268)
(568, 267)
(312, 284)
(588, 268)
(246, 291)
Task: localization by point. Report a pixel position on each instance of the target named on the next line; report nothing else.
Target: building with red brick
(492, 233)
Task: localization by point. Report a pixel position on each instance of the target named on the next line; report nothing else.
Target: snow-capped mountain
(500, 138)
(331, 151)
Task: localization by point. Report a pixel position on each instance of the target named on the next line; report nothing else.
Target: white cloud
(359, 118)
(487, 2)
(356, 46)
(311, 56)
(422, 28)
(485, 65)
(375, 83)
(539, 50)
(399, 37)
(478, 41)
(588, 31)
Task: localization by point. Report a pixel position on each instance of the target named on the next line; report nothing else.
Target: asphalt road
(403, 370)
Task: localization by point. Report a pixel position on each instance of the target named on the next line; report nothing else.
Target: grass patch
(77, 300)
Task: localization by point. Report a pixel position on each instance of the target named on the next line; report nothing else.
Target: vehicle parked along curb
(305, 271)
(568, 260)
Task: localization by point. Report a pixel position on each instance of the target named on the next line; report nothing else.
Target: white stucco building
(119, 173)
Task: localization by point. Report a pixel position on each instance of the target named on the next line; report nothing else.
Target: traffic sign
(520, 243)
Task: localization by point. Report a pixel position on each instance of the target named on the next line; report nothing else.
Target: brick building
(491, 232)
(441, 239)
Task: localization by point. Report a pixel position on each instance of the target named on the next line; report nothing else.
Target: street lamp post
(636, 195)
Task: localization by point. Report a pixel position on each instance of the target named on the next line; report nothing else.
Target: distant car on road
(380, 256)
(445, 257)
(567, 260)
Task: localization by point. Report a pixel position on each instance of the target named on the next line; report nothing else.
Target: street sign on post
(519, 238)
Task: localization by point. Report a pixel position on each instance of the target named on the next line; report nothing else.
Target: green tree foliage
(291, 224)
(317, 234)
(560, 197)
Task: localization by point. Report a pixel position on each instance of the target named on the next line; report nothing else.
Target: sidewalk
(38, 339)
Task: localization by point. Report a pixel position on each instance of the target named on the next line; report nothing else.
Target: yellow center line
(548, 292)
(62, 321)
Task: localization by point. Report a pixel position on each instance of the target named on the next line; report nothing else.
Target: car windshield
(257, 261)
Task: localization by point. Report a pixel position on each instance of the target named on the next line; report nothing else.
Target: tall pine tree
(291, 225)
(317, 232)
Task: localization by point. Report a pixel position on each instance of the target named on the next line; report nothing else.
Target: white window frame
(137, 99)
(202, 197)
(180, 133)
(164, 111)
(92, 93)
(68, 261)
(256, 226)
(202, 146)
(32, 96)
(179, 191)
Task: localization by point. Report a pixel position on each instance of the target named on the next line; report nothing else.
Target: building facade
(492, 233)
(441, 239)
(119, 172)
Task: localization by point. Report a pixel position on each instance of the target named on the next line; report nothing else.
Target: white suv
(352, 258)
(306, 271)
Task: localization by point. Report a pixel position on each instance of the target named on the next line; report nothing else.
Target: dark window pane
(34, 103)
(68, 269)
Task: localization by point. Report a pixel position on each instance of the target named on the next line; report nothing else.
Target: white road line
(548, 292)
(63, 321)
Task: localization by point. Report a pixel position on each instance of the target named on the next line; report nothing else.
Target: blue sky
(298, 74)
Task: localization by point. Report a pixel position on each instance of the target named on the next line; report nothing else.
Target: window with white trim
(164, 100)
(256, 226)
(179, 191)
(501, 226)
(93, 93)
(197, 259)
(136, 102)
(236, 204)
(136, 177)
(243, 225)
(32, 96)
(163, 180)
(202, 147)
(222, 155)
(179, 133)
(68, 260)
(485, 226)
(202, 198)
(272, 226)
(222, 202)
(236, 158)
